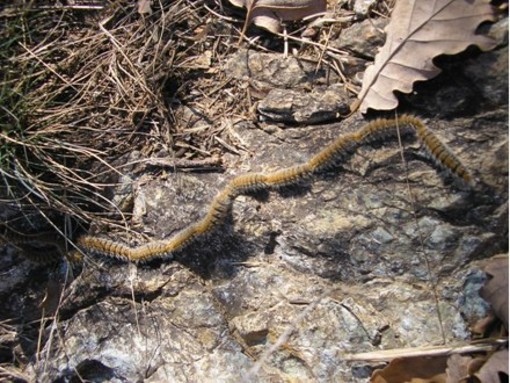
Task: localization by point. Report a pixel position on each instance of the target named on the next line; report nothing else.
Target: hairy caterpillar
(333, 153)
(412, 126)
(381, 129)
(443, 155)
(288, 176)
(330, 156)
(247, 183)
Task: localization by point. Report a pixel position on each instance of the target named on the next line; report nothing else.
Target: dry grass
(85, 88)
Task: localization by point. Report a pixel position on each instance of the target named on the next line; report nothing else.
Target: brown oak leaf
(268, 14)
(419, 369)
(419, 31)
(494, 368)
(495, 290)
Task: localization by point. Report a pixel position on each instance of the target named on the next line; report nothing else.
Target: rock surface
(268, 70)
(323, 104)
(363, 39)
(349, 263)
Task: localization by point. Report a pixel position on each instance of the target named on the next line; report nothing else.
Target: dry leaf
(476, 364)
(496, 365)
(421, 369)
(264, 18)
(457, 368)
(419, 31)
(483, 326)
(268, 13)
(495, 290)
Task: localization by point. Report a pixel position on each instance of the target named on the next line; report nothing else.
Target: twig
(388, 355)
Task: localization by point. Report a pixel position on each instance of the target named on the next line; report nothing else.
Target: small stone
(271, 70)
(382, 236)
(123, 197)
(253, 328)
(294, 106)
(363, 39)
(471, 304)
(441, 238)
(363, 7)
(139, 208)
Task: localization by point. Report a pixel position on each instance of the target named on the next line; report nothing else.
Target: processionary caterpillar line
(332, 155)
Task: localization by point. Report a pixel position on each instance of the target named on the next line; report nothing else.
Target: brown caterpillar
(154, 249)
(381, 129)
(334, 153)
(441, 153)
(288, 176)
(220, 207)
(247, 183)
(412, 126)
